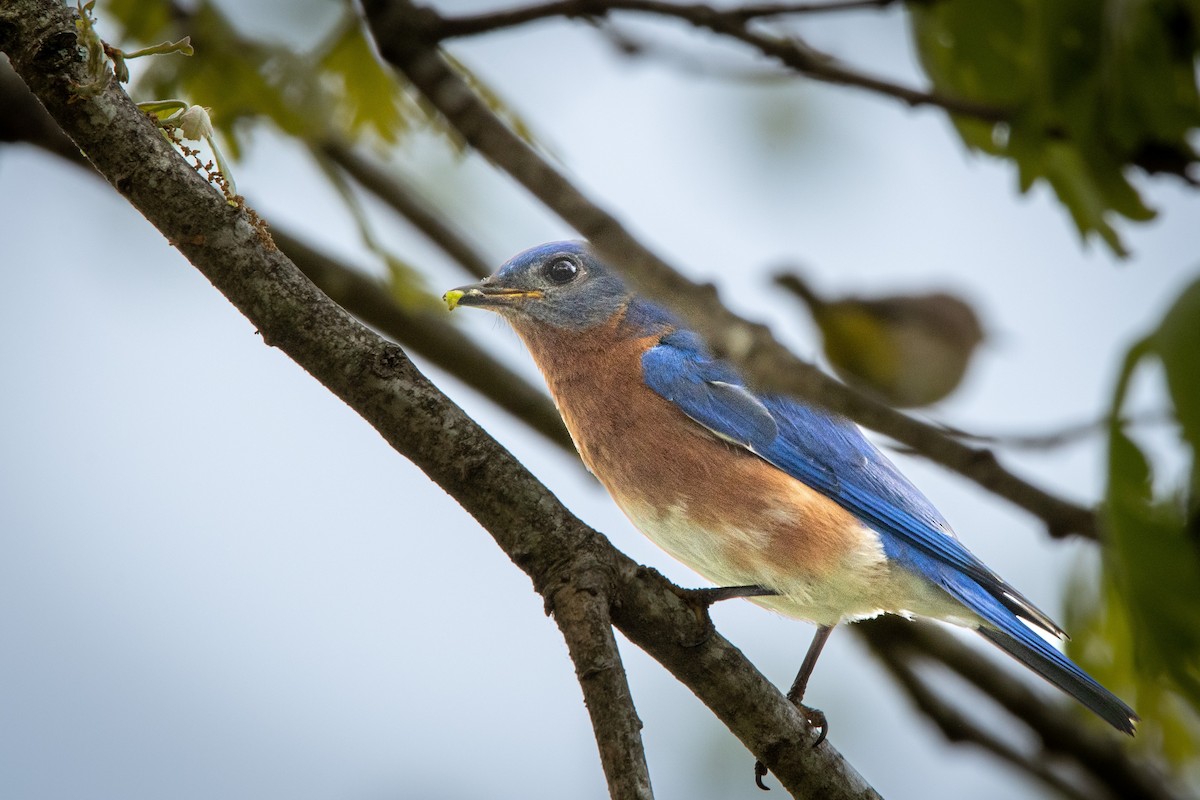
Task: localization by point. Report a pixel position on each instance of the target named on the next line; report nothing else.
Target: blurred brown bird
(907, 350)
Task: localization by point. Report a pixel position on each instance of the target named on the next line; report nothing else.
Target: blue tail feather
(1008, 633)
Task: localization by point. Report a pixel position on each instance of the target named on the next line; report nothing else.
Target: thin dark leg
(815, 717)
(719, 593)
(796, 693)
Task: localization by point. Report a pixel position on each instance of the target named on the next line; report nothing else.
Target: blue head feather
(590, 298)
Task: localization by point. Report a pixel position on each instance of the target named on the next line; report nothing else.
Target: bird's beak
(487, 296)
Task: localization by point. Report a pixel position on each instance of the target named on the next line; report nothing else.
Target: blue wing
(826, 452)
(830, 454)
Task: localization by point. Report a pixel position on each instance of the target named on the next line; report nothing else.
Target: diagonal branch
(430, 335)
(398, 28)
(379, 382)
(957, 727)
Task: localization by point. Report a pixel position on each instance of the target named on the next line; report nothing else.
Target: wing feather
(828, 453)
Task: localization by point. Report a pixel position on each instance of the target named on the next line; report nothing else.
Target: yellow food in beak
(452, 297)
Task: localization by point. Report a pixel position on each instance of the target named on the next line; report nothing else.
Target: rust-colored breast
(650, 455)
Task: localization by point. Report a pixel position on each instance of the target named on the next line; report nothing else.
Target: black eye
(560, 271)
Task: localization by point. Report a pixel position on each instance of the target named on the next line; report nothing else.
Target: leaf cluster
(339, 88)
(1142, 632)
(1091, 88)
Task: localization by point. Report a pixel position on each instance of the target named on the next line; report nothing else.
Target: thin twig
(960, 729)
(733, 23)
(760, 10)
(1061, 733)
(1067, 435)
(680, 59)
(404, 200)
(767, 363)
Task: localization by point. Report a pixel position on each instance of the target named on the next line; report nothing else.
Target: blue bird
(780, 501)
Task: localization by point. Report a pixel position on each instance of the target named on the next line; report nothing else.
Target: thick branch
(397, 25)
(378, 381)
(429, 334)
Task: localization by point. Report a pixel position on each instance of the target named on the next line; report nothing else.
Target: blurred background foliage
(1091, 94)
(335, 93)
(1140, 631)
(1094, 88)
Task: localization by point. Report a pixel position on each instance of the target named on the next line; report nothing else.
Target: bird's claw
(760, 772)
(816, 721)
(700, 600)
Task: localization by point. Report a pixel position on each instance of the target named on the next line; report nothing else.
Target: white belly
(863, 585)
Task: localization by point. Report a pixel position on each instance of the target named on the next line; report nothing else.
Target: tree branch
(753, 10)
(582, 614)
(378, 381)
(429, 334)
(959, 729)
(1067, 435)
(1061, 734)
(399, 28)
(733, 23)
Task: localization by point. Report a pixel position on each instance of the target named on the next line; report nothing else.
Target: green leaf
(1139, 633)
(341, 89)
(1091, 89)
(369, 95)
(141, 20)
(1155, 570)
(1178, 345)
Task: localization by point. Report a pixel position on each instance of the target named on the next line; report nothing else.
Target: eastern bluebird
(754, 492)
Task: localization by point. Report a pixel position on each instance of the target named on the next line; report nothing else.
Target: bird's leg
(816, 717)
(701, 599)
(796, 693)
(706, 597)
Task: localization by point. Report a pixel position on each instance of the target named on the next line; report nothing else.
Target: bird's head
(560, 284)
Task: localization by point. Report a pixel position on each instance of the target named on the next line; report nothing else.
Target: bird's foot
(700, 600)
(760, 772)
(816, 722)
